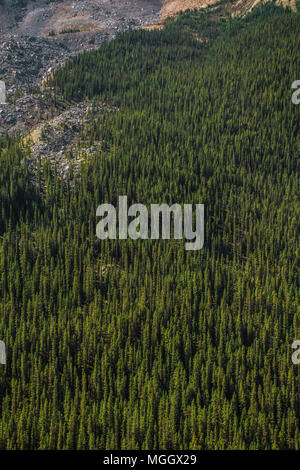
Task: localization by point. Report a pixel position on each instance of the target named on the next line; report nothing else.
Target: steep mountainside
(38, 36)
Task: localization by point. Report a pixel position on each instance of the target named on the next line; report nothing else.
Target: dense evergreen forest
(141, 344)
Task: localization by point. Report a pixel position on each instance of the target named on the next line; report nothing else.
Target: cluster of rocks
(26, 61)
(61, 141)
(18, 115)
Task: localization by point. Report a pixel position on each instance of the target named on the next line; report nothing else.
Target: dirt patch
(238, 7)
(152, 27)
(172, 7)
(66, 17)
(241, 7)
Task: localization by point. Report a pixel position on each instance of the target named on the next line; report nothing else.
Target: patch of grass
(70, 30)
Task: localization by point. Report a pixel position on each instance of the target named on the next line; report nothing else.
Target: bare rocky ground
(24, 112)
(63, 141)
(40, 36)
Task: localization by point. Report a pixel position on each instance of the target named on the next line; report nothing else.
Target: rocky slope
(63, 141)
(38, 36)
